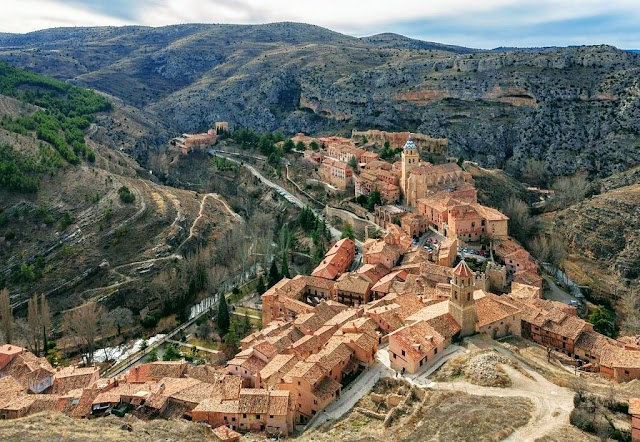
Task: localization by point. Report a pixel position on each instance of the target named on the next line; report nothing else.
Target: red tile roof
(462, 269)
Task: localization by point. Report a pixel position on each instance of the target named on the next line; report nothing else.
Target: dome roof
(409, 144)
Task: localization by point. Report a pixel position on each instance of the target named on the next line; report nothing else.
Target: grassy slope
(56, 427)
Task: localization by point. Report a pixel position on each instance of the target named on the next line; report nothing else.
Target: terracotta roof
(373, 271)
(430, 312)
(616, 357)
(226, 434)
(388, 314)
(490, 308)
(252, 364)
(312, 372)
(279, 402)
(278, 367)
(307, 344)
(463, 270)
(445, 325)
(364, 341)
(417, 340)
(333, 354)
(384, 284)
(231, 386)
(9, 389)
(353, 283)
(254, 401)
(71, 378)
(326, 388)
(594, 342)
(206, 373)
(359, 325)
(342, 317)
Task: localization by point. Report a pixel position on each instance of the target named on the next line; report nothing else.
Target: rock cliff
(574, 108)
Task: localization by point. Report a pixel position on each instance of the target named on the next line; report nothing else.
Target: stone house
(336, 173)
(311, 389)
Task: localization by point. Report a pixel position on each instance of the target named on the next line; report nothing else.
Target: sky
(472, 23)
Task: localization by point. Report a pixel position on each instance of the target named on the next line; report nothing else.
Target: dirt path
(201, 214)
(552, 404)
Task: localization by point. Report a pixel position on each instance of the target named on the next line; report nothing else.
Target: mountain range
(574, 108)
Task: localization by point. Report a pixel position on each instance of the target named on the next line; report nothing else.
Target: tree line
(66, 112)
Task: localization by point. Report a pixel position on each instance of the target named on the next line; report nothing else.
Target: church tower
(462, 306)
(410, 160)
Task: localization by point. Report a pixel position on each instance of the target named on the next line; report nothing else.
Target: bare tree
(521, 224)
(6, 316)
(33, 331)
(534, 171)
(628, 305)
(84, 323)
(571, 190)
(117, 319)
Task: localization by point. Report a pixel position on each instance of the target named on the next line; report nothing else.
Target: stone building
(462, 305)
(336, 173)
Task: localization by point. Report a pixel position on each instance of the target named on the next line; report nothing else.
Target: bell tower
(410, 160)
(462, 306)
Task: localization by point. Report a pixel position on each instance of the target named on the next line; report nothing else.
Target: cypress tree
(260, 288)
(274, 275)
(222, 319)
(285, 266)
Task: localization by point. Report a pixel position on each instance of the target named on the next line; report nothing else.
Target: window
(313, 412)
(233, 419)
(468, 296)
(394, 355)
(244, 415)
(435, 351)
(298, 382)
(403, 353)
(225, 418)
(257, 416)
(315, 402)
(271, 416)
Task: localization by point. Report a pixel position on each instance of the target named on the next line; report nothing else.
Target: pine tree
(285, 266)
(274, 275)
(222, 319)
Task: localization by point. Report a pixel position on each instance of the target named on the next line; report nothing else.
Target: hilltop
(573, 108)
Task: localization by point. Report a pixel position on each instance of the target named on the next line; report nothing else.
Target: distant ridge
(397, 41)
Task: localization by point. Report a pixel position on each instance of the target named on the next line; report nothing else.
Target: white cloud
(453, 17)
(31, 15)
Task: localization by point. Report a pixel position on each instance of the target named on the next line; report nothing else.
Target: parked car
(575, 303)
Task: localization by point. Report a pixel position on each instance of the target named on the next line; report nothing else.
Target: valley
(361, 241)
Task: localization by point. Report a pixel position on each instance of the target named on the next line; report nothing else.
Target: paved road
(351, 395)
(555, 293)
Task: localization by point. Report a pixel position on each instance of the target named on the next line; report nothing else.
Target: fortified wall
(397, 139)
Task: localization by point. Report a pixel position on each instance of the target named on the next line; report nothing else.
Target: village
(443, 269)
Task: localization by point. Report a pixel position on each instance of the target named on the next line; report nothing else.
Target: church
(420, 179)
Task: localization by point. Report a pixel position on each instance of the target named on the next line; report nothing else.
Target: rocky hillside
(573, 108)
(605, 231)
(87, 223)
